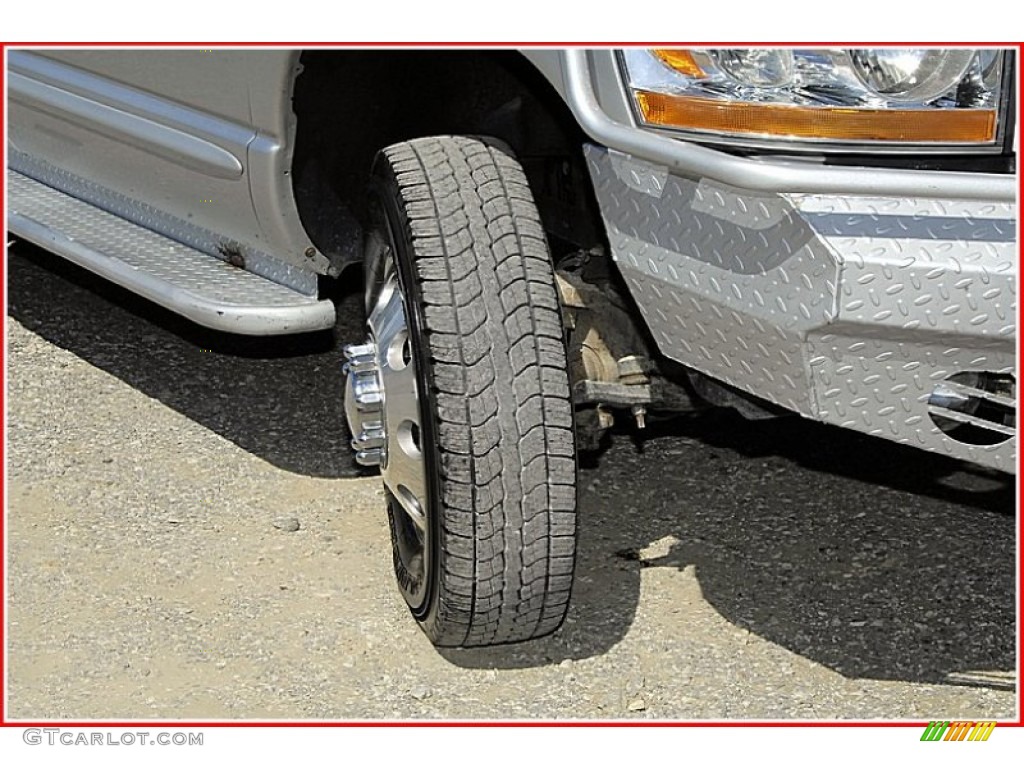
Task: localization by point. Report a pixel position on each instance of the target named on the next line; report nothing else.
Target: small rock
(420, 692)
(637, 705)
(288, 524)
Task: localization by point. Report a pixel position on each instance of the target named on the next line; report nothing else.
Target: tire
(496, 422)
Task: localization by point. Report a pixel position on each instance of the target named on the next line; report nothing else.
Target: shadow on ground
(871, 558)
(279, 398)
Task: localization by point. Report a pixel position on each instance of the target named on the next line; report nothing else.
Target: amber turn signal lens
(947, 126)
(680, 60)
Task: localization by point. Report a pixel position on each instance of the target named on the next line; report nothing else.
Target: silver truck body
(859, 296)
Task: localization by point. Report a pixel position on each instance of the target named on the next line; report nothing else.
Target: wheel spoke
(402, 396)
(402, 466)
(388, 316)
(405, 478)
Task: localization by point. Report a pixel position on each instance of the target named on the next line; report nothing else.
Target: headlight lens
(881, 97)
(910, 74)
(756, 66)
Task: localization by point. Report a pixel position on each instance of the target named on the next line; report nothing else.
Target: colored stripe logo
(944, 730)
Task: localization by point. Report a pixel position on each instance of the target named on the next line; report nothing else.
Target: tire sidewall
(390, 223)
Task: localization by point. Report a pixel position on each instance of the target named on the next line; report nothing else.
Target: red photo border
(5, 723)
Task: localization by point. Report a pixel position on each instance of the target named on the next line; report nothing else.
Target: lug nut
(640, 414)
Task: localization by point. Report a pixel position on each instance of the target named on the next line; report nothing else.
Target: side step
(201, 287)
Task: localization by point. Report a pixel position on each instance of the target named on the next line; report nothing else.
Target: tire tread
(494, 338)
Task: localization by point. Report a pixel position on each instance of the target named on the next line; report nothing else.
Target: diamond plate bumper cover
(848, 310)
(203, 288)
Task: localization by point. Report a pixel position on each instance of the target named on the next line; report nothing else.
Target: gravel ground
(727, 569)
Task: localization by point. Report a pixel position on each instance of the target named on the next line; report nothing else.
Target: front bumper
(851, 309)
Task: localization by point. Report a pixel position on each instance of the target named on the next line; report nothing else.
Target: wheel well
(351, 104)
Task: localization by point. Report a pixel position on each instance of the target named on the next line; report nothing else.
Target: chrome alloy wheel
(382, 406)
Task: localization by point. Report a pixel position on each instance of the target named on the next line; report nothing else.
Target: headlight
(876, 97)
(756, 66)
(911, 74)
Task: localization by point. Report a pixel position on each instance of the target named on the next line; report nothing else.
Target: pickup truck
(549, 241)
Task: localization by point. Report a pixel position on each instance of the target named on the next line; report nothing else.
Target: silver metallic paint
(172, 144)
(102, 115)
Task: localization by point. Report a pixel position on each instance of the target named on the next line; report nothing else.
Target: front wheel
(461, 395)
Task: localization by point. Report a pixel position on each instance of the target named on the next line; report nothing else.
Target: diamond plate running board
(201, 287)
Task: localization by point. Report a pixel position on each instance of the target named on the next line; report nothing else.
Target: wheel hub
(382, 398)
(364, 403)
